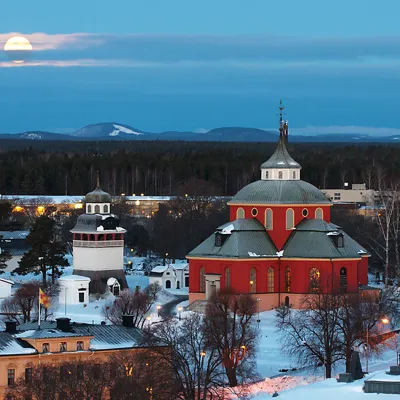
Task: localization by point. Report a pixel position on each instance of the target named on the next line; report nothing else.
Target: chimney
(63, 324)
(11, 326)
(127, 321)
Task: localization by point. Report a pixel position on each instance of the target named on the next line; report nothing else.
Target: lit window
(270, 279)
(79, 346)
(253, 280)
(314, 276)
(288, 279)
(63, 346)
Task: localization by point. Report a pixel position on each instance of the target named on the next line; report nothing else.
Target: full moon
(18, 48)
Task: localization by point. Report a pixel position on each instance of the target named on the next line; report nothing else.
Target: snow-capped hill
(119, 128)
(107, 130)
(32, 136)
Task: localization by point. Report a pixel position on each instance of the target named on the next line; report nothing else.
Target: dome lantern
(98, 201)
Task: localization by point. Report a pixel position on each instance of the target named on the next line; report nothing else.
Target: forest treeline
(158, 168)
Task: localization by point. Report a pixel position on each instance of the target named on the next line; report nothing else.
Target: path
(166, 309)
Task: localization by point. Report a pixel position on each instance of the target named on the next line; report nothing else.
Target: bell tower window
(294, 174)
(280, 175)
(266, 174)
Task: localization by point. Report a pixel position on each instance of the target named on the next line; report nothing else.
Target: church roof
(315, 238)
(98, 195)
(244, 238)
(279, 192)
(90, 223)
(281, 157)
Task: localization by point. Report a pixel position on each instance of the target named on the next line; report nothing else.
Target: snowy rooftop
(160, 269)
(10, 345)
(74, 278)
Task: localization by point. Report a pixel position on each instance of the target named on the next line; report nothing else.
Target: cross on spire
(283, 125)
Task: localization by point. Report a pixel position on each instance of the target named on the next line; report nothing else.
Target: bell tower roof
(98, 195)
(281, 159)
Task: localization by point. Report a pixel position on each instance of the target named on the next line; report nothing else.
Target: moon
(18, 48)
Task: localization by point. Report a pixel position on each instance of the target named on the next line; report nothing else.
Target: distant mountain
(107, 131)
(117, 131)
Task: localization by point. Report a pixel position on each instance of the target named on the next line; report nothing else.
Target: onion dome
(98, 195)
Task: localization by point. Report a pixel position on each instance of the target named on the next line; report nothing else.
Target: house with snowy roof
(171, 276)
(62, 341)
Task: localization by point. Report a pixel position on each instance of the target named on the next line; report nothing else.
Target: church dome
(279, 192)
(98, 196)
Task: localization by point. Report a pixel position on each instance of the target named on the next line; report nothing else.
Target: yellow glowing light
(18, 44)
(18, 209)
(137, 202)
(142, 194)
(251, 282)
(78, 205)
(40, 210)
(385, 320)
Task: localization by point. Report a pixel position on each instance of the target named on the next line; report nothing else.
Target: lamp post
(385, 321)
(179, 311)
(148, 322)
(258, 312)
(158, 310)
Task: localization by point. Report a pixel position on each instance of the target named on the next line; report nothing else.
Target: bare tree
(26, 298)
(311, 335)
(230, 328)
(137, 304)
(36, 206)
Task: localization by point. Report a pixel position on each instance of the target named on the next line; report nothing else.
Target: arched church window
(97, 209)
(84, 237)
(288, 279)
(266, 174)
(240, 213)
(202, 280)
(91, 237)
(294, 174)
(253, 280)
(270, 279)
(109, 236)
(227, 278)
(314, 276)
(105, 209)
(343, 280)
(280, 175)
(78, 236)
(89, 208)
(268, 219)
(289, 219)
(319, 213)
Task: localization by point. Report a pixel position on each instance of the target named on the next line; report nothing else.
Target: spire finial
(283, 125)
(98, 179)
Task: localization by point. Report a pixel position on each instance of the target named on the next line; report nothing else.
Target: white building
(74, 289)
(172, 276)
(5, 288)
(98, 243)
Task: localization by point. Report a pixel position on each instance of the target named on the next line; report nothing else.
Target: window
(218, 240)
(28, 375)
(97, 209)
(202, 280)
(253, 280)
(63, 372)
(178, 285)
(268, 219)
(289, 219)
(168, 284)
(287, 301)
(280, 175)
(227, 278)
(105, 209)
(254, 212)
(319, 213)
(340, 241)
(63, 346)
(240, 213)
(288, 279)
(336, 196)
(266, 174)
(304, 212)
(314, 276)
(270, 279)
(45, 348)
(168, 273)
(80, 346)
(294, 174)
(11, 376)
(89, 208)
(79, 372)
(128, 369)
(343, 280)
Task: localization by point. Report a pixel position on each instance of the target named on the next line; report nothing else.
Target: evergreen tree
(47, 253)
(5, 256)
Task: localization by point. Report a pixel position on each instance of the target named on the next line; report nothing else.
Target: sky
(160, 65)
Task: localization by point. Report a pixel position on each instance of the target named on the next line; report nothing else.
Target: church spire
(97, 180)
(283, 125)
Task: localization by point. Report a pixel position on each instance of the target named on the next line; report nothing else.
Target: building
(62, 341)
(280, 243)
(171, 276)
(74, 289)
(357, 194)
(98, 243)
(5, 288)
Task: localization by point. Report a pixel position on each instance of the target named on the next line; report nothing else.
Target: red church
(279, 243)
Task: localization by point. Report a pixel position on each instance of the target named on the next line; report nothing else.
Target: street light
(385, 321)
(179, 310)
(258, 311)
(158, 309)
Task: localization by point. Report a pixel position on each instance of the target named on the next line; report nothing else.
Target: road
(167, 308)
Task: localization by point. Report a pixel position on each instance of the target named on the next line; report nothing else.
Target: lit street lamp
(158, 309)
(384, 321)
(179, 310)
(148, 322)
